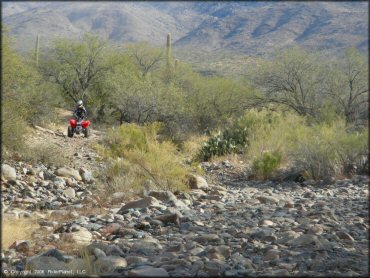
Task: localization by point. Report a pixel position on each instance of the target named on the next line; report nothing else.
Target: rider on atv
(80, 111)
(79, 124)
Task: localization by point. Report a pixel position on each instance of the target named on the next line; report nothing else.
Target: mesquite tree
(348, 87)
(76, 65)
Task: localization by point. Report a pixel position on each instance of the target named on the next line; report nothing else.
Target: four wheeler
(78, 126)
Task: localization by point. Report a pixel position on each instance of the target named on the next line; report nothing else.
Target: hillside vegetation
(256, 172)
(324, 101)
(239, 27)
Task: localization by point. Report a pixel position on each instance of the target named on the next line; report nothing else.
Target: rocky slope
(238, 27)
(224, 226)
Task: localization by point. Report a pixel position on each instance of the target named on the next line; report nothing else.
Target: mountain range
(241, 28)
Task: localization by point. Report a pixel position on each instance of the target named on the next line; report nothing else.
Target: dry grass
(62, 122)
(145, 160)
(192, 146)
(233, 158)
(13, 230)
(46, 153)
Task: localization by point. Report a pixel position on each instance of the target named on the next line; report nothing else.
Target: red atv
(78, 126)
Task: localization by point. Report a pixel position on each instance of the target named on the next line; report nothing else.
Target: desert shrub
(45, 153)
(142, 159)
(12, 131)
(267, 131)
(26, 97)
(192, 145)
(118, 177)
(326, 150)
(266, 164)
(322, 149)
(229, 141)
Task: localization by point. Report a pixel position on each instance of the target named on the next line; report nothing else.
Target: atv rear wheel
(70, 131)
(86, 132)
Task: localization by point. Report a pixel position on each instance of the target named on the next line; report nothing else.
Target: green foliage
(145, 57)
(76, 65)
(324, 150)
(26, 96)
(294, 80)
(229, 141)
(142, 159)
(268, 130)
(346, 87)
(266, 164)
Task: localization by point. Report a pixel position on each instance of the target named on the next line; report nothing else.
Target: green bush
(139, 157)
(321, 149)
(327, 149)
(229, 141)
(266, 164)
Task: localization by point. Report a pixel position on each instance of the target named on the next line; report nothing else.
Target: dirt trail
(78, 150)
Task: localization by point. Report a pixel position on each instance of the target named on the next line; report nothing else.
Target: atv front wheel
(86, 132)
(70, 131)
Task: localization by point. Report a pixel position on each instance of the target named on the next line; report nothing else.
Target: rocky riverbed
(218, 228)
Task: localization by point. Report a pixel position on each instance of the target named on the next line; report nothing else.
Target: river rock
(68, 172)
(21, 245)
(107, 264)
(142, 203)
(86, 175)
(147, 246)
(164, 196)
(173, 218)
(81, 237)
(70, 192)
(148, 271)
(46, 264)
(8, 172)
(197, 182)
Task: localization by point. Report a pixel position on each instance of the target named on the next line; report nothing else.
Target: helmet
(79, 103)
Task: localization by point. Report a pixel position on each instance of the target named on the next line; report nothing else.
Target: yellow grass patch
(13, 230)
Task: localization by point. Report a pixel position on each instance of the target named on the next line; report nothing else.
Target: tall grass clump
(321, 149)
(13, 230)
(266, 164)
(46, 153)
(267, 131)
(327, 149)
(138, 159)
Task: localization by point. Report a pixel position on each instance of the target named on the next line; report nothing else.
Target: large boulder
(147, 247)
(86, 175)
(109, 264)
(8, 172)
(267, 199)
(169, 218)
(197, 182)
(142, 203)
(81, 237)
(164, 196)
(46, 265)
(68, 172)
(69, 192)
(148, 271)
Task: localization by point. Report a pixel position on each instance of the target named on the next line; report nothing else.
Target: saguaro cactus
(37, 50)
(168, 48)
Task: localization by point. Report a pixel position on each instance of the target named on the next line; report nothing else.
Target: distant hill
(243, 28)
